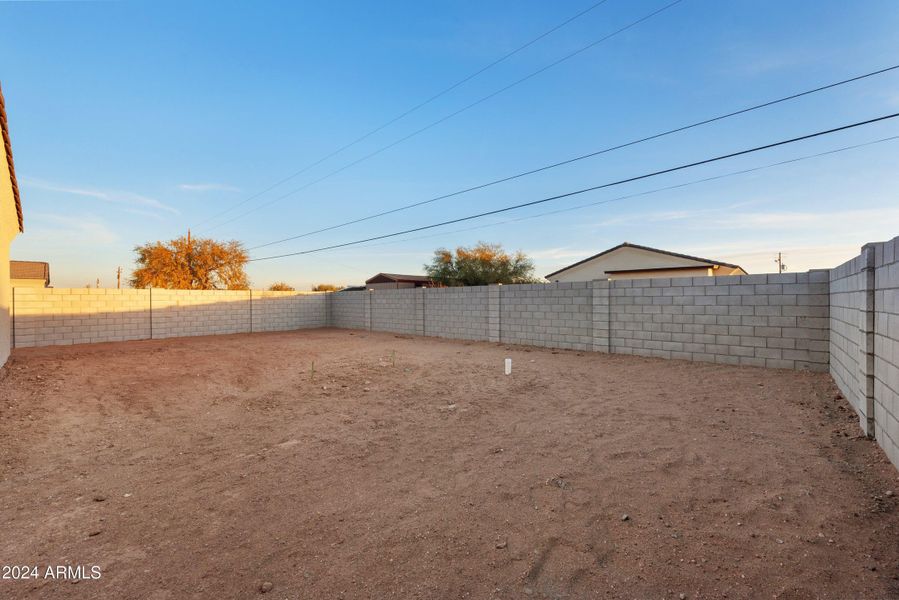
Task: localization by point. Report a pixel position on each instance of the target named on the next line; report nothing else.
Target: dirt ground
(403, 467)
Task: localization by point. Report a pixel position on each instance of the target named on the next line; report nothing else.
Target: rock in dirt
(558, 481)
(625, 517)
(99, 498)
(266, 586)
(501, 545)
(888, 493)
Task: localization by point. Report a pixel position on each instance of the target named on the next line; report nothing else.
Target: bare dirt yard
(219, 467)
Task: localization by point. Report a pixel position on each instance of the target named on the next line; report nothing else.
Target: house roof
(4, 131)
(29, 269)
(639, 247)
(382, 277)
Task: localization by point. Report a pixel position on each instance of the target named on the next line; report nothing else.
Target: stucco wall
(20, 283)
(5, 289)
(9, 228)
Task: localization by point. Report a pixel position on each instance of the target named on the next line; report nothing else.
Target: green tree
(280, 286)
(191, 264)
(482, 264)
(325, 287)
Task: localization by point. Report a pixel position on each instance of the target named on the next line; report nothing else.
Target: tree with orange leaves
(191, 264)
(483, 264)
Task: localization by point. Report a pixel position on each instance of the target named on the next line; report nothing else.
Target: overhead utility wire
(636, 195)
(409, 111)
(581, 157)
(589, 189)
(448, 117)
(631, 196)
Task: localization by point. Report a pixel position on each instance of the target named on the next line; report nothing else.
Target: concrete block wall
(458, 313)
(398, 311)
(494, 331)
(602, 341)
(777, 320)
(557, 315)
(182, 313)
(885, 349)
(864, 347)
(285, 311)
(850, 292)
(845, 320)
(349, 310)
(57, 316)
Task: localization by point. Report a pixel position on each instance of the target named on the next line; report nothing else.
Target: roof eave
(589, 258)
(395, 277)
(7, 145)
(650, 249)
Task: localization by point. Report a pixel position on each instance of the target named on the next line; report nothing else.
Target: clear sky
(133, 121)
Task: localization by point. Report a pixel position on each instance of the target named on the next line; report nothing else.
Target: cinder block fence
(776, 321)
(55, 316)
(843, 320)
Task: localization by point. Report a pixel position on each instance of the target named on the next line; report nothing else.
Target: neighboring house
(394, 281)
(11, 224)
(29, 273)
(631, 261)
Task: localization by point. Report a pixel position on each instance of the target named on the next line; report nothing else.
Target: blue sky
(131, 122)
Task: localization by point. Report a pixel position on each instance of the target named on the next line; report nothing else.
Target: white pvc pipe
(508, 366)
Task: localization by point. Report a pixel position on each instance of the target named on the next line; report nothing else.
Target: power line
(582, 157)
(409, 111)
(639, 194)
(449, 116)
(590, 189)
